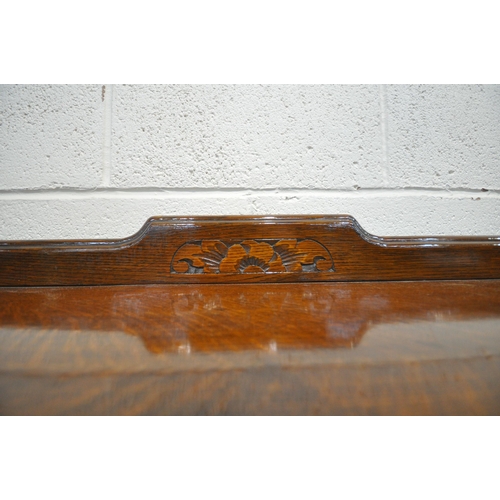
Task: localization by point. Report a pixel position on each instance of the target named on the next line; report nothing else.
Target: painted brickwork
(95, 161)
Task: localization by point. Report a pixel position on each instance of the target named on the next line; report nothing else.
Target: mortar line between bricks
(383, 131)
(197, 193)
(107, 134)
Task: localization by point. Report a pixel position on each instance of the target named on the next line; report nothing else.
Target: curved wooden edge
(209, 249)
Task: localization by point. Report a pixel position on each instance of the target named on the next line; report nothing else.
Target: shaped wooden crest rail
(248, 249)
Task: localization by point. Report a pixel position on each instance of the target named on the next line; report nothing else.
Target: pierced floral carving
(252, 257)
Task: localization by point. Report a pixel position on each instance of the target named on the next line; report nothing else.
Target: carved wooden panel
(252, 257)
(248, 249)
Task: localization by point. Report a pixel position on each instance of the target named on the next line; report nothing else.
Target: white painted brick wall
(246, 136)
(51, 136)
(88, 162)
(444, 136)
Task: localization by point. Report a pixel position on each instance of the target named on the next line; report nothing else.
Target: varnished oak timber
(251, 316)
(231, 317)
(248, 249)
(379, 348)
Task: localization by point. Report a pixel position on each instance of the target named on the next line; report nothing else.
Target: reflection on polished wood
(310, 348)
(240, 317)
(288, 315)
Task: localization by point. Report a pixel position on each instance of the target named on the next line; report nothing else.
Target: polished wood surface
(251, 315)
(195, 250)
(240, 317)
(390, 348)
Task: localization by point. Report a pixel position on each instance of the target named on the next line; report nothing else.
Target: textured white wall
(93, 161)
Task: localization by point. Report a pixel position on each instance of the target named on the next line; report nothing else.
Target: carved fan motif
(252, 257)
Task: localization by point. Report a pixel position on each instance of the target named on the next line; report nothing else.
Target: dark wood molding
(248, 249)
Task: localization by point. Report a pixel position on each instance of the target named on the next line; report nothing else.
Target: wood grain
(254, 316)
(255, 249)
(443, 387)
(234, 317)
(378, 348)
